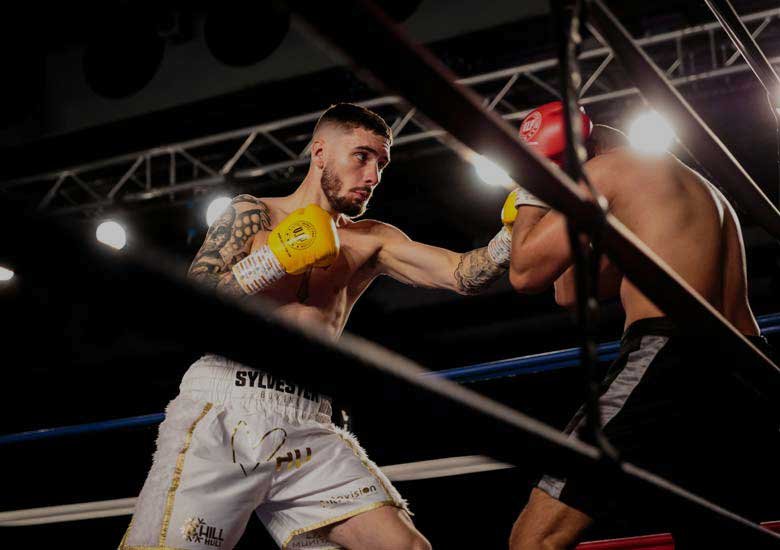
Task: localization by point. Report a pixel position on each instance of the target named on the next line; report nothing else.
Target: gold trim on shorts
(364, 460)
(335, 519)
(175, 483)
(123, 543)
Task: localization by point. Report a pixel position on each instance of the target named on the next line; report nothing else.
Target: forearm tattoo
(476, 271)
(227, 242)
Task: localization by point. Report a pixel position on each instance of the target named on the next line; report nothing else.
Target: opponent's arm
(227, 242)
(540, 241)
(610, 278)
(428, 266)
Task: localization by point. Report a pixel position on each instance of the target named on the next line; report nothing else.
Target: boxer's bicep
(228, 240)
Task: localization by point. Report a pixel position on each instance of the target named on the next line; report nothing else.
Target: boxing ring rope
(412, 471)
(480, 372)
(691, 130)
(427, 469)
(429, 86)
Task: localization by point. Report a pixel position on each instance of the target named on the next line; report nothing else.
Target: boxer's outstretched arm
(228, 241)
(428, 266)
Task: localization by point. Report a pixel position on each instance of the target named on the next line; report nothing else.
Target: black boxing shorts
(666, 406)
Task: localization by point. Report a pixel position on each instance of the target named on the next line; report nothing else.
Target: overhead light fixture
(6, 274)
(216, 208)
(111, 234)
(490, 172)
(651, 133)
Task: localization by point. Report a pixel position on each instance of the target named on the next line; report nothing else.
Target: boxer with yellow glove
(252, 246)
(306, 238)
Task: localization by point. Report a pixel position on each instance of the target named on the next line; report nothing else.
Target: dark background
(70, 360)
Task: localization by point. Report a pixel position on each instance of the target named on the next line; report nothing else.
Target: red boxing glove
(544, 130)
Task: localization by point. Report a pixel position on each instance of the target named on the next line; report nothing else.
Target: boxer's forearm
(476, 271)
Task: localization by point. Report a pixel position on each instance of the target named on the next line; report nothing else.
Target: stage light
(111, 234)
(5, 274)
(490, 172)
(216, 208)
(650, 133)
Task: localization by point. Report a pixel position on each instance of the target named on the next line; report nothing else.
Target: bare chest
(326, 295)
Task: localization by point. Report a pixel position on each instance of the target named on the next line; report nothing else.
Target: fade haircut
(604, 138)
(350, 116)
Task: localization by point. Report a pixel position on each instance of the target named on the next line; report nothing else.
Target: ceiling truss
(280, 148)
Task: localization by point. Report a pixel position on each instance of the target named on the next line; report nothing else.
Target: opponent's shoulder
(610, 162)
(612, 172)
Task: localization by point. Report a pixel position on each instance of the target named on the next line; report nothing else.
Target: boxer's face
(353, 168)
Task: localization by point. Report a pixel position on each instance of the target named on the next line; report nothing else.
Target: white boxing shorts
(237, 440)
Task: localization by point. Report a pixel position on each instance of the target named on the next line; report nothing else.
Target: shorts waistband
(655, 326)
(663, 326)
(219, 380)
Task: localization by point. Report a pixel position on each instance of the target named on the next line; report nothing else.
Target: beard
(343, 204)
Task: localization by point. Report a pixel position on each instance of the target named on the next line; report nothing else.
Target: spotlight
(650, 133)
(216, 208)
(111, 234)
(490, 172)
(5, 274)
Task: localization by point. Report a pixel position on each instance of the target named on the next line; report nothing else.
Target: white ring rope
(425, 469)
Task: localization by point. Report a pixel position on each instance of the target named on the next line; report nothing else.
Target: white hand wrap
(259, 270)
(524, 198)
(500, 247)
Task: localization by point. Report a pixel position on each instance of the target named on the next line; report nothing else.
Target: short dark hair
(351, 116)
(603, 138)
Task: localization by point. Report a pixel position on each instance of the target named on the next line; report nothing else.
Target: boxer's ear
(318, 150)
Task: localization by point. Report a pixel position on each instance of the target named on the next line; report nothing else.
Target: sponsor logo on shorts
(197, 530)
(263, 380)
(299, 460)
(336, 500)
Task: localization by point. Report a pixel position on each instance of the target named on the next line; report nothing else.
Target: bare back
(688, 223)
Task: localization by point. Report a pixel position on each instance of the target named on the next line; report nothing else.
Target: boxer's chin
(351, 208)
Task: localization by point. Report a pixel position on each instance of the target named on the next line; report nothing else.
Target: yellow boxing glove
(306, 238)
(509, 211)
(500, 247)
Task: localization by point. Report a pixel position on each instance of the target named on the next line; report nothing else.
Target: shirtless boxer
(657, 401)
(238, 440)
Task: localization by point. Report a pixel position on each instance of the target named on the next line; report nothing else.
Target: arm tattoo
(476, 271)
(226, 244)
